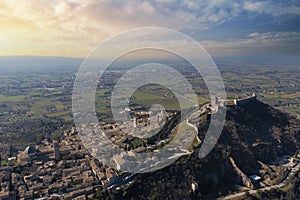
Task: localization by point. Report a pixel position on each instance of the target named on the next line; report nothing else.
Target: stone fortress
(216, 102)
(239, 102)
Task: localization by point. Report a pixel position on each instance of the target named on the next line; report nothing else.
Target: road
(241, 195)
(191, 125)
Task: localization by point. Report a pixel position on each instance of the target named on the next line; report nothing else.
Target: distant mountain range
(19, 62)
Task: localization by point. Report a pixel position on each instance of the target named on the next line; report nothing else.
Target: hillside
(254, 135)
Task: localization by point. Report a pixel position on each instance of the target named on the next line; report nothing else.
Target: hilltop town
(65, 169)
(38, 142)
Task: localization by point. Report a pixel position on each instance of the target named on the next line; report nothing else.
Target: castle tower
(134, 122)
(214, 101)
(159, 118)
(194, 186)
(9, 150)
(56, 150)
(236, 102)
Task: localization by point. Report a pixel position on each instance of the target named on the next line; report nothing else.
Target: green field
(66, 115)
(283, 95)
(4, 98)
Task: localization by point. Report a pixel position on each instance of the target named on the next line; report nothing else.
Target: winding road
(283, 183)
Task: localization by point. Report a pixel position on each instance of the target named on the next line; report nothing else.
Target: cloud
(165, 1)
(257, 43)
(78, 25)
(107, 17)
(191, 4)
(278, 37)
(273, 8)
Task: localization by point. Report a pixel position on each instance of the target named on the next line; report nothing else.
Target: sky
(72, 28)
